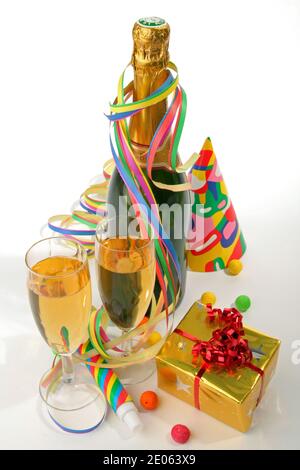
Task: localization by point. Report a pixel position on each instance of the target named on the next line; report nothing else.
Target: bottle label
(151, 21)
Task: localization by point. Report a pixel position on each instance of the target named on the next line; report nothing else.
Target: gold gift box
(230, 397)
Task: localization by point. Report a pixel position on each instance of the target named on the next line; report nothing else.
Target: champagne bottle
(149, 60)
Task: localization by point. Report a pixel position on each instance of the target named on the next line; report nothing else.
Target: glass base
(77, 406)
(137, 373)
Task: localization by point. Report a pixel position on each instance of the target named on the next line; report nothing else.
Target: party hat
(215, 237)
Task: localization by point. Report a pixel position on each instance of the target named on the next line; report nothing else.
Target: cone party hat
(215, 237)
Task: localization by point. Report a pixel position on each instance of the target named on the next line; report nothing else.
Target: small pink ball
(180, 433)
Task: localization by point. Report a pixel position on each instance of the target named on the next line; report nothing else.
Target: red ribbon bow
(227, 347)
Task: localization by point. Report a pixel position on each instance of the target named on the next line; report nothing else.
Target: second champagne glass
(125, 264)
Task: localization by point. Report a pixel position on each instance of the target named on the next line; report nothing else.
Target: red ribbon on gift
(227, 348)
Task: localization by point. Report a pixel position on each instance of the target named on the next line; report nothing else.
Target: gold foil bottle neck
(151, 43)
(149, 59)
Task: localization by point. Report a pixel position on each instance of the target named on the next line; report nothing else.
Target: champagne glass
(59, 287)
(125, 268)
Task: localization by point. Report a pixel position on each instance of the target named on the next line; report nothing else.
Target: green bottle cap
(151, 21)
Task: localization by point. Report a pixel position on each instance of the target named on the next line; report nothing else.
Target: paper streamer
(81, 224)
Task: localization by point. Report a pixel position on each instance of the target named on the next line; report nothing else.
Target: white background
(239, 63)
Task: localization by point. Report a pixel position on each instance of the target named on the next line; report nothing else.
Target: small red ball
(180, 433)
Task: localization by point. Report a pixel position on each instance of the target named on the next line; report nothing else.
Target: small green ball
(242, 303)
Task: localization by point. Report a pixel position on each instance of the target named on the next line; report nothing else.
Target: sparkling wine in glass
(60, 299)
(126, 276)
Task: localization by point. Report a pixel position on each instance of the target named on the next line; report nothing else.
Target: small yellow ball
(208, 298)
(234, 267)
(154, 338)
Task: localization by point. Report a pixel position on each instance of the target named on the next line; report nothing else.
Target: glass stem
(67, 368)
(128, 346)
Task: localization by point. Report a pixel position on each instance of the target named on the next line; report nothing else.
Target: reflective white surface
(24, 357)
(239, 63)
